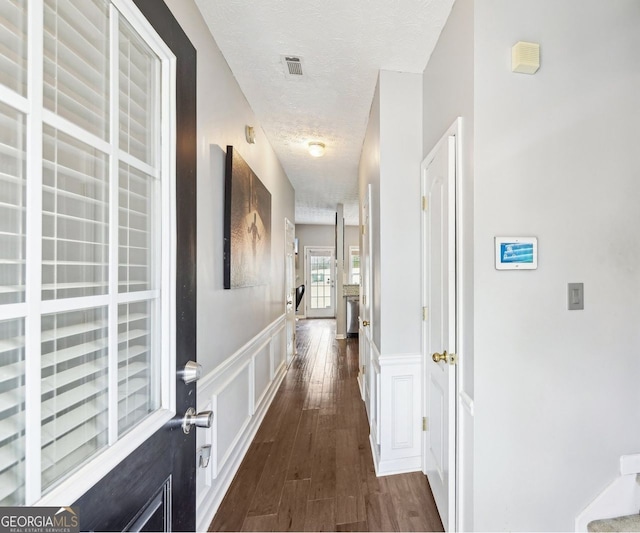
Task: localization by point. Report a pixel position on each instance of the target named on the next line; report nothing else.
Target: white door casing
(320, 273)
(439, 326)
(290, 287)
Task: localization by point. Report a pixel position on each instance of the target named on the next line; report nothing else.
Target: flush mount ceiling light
(316, 149)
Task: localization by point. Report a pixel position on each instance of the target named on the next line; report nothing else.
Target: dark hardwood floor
(310, 467)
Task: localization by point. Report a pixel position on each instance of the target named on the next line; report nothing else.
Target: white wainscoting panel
(396, 422)
(239, 392)
(364, 347)
(263, 371)
(403, 411)
(373, 393)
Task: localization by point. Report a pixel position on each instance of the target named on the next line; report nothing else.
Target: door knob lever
(203, 419)
(437, 357)
(450, 358)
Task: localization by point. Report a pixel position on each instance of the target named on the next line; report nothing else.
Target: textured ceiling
(343, 44)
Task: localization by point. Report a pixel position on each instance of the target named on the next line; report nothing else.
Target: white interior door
(439, 282)
(364, 344)
(320, 282)
(289, 287)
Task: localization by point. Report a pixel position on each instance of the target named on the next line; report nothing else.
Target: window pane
(138, 369)
(74, 390)
(12, 417)
(12, 205)
(76, 62)
(75, 203)
(139, 68)
(139, 238)
(13, 45)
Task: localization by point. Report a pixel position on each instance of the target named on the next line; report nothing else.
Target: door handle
(450, 358)
(365, 323)
(203, 419)
(437, 357)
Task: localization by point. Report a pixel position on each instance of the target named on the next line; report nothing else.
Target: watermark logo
(39, 520)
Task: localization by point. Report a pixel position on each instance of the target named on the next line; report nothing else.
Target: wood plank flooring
(310, 467)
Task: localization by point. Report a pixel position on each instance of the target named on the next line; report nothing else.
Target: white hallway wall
(390, 163)
(556, 392)
(240, 332)
(448, 94)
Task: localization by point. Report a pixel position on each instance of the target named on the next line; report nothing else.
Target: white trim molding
(239, 392)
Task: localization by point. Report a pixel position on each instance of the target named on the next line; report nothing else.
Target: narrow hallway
(310, 468)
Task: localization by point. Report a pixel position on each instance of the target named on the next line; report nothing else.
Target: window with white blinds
(84, 217)
(13, 45)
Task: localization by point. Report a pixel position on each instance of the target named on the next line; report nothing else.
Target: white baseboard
(630, 464)
(392, 467)
(239, 391)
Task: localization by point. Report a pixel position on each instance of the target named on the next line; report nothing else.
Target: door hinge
(363, 369)
(364, 231)
(425, 313)
(425, 423)
(425, 203)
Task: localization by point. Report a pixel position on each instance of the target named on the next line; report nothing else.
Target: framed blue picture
(516, 253)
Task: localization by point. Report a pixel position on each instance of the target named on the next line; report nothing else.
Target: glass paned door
(320, 280)
(86, 241)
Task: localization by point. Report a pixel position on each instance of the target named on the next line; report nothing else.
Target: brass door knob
(437, 357)
(365, 323)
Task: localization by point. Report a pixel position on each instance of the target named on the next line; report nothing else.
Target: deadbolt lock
(192, 372)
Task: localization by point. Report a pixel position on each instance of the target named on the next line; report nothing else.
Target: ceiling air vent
(292, 66)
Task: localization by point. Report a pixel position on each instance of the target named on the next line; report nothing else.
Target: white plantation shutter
(12, 414)
(138, 229)
(75, 218)
(138, 391)
(76, 62)
(13, 45)
(138, 80)
(94, 311)
(74, 390)
(12, 205)
(12, 292)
